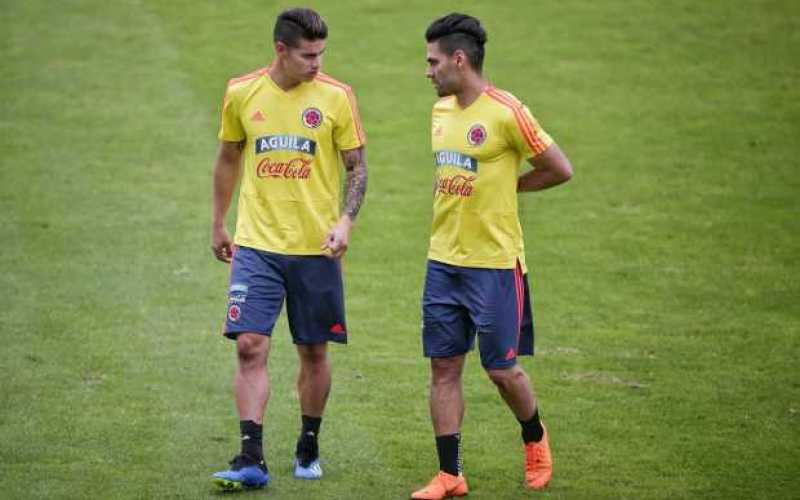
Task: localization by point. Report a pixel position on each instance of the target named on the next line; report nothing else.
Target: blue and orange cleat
(245, 473)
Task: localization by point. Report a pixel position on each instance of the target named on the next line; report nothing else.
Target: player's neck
(474, 86)
(281, 79)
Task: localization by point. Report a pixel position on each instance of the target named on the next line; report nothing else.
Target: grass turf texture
(665, 274)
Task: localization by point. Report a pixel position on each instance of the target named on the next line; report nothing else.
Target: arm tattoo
(355, 162)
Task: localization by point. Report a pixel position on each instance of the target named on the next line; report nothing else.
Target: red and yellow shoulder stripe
(524, 122)
(249, 76)
(351, 99)
(241, 80)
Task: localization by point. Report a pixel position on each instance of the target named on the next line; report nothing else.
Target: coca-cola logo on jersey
(296, 168)
(456, 185)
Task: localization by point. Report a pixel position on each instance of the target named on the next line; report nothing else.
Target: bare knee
(251, 349)
(507, 377)
(446, 371)
(313, 357)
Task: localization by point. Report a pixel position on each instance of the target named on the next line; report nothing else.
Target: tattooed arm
(338, 238)
(355, 162)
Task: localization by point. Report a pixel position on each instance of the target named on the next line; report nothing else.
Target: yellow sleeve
(348, 132)
(230, 128)
(526, 135)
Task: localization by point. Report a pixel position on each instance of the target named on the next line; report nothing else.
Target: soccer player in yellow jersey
(284, 129)
(475, 284)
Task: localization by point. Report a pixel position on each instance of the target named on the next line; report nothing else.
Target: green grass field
(665, 274)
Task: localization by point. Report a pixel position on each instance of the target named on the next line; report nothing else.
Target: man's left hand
(338, 238)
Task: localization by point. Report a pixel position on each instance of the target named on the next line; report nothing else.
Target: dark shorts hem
(504, 365)
(336, 340)
(450, 354)
(235, 333)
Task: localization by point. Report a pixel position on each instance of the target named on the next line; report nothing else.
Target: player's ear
(281, 48)
(459, 58)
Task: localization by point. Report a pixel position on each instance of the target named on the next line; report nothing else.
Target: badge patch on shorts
(234, 312)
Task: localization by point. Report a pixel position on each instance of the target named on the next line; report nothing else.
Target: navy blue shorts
(460, 303)
(310, 284)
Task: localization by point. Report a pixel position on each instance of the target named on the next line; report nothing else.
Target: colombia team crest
(234, 312)
(476, 135)
(312, 117)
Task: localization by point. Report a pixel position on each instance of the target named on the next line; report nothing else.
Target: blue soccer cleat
(306, 463)
(245, 473)
(311, 471)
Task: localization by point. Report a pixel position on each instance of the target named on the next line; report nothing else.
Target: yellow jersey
(290, 185)
(477, 152)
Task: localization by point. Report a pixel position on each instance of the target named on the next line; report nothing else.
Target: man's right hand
(226, 171)
(221, 244)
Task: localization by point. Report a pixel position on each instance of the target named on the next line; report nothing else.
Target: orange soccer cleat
(538, 464)
(443, 485)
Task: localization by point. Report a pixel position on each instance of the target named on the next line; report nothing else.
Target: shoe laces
(438, 482)
(442, 480)
(533, 454)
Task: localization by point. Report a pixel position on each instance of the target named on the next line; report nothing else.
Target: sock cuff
(250, 428)
(457, 435)
(533, 419)
(311, 424)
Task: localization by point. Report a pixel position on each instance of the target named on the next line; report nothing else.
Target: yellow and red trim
(525, 124)
(351, 99)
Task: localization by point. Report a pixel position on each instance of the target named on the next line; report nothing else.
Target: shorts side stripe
(520, 298)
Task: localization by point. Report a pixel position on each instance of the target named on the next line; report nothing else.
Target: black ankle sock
(311, 424)
(532, 430)
(251, 439)
(449, 450)
(307, 446)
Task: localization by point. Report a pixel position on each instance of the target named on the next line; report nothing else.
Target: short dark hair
(294, 24)
(459, 31)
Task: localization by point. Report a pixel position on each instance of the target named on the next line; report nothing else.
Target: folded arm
(550, 168)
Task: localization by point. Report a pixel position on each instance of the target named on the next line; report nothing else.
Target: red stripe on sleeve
(506, 101)
(526, 127)
(351, 100)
